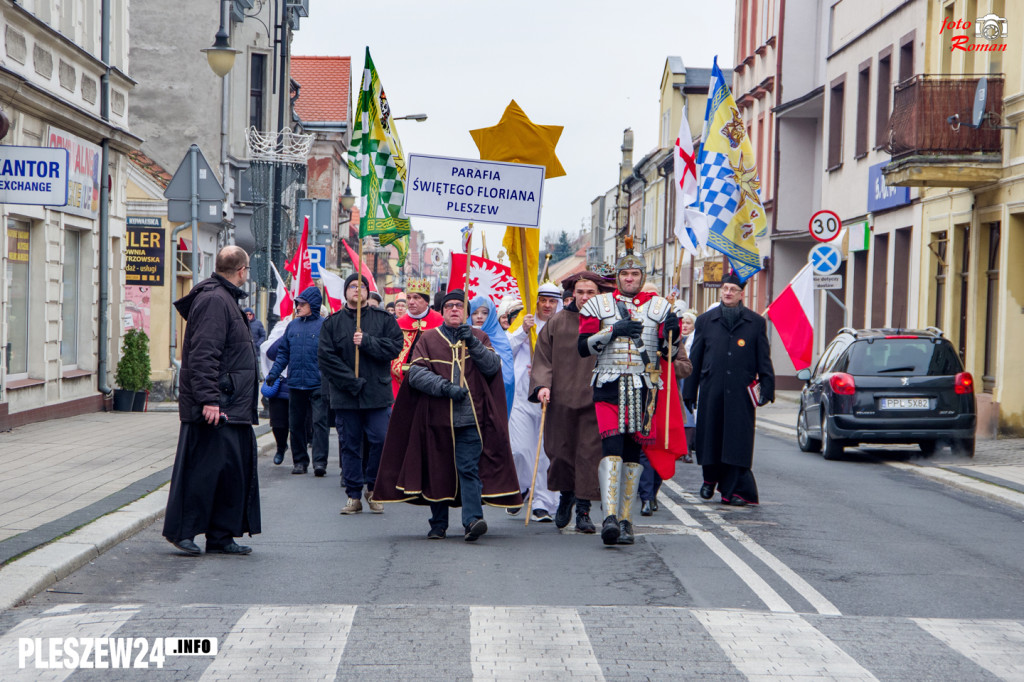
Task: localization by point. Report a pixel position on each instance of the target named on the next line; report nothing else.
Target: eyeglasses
(244, 267)
(454, 305)
(731, 289)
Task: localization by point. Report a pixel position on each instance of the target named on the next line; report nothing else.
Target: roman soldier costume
(627, 334)
(412, 328)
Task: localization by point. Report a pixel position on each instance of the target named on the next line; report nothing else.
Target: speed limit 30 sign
(825, 226)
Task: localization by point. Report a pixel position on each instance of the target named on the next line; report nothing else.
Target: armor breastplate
(622, 356)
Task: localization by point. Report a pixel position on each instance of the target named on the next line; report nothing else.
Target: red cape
(411, 328)
(664, 459)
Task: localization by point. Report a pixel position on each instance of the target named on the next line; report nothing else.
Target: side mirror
(804, 374)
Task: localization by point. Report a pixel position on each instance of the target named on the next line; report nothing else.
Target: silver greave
(609, 475)
(630, 485)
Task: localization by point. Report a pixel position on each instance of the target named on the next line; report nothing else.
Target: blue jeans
(351, 425)
(650, 481)
(467, 463)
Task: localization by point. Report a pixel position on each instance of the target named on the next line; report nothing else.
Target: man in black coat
(361, 400)
(730, 353)
(214, 488)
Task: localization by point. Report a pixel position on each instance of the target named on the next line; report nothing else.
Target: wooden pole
(526, 287)
(465, 305)
(669, 387)
(359, 304)
(536, 462)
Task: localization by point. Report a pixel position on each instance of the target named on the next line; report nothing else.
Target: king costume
(412, 328)
(626, 333)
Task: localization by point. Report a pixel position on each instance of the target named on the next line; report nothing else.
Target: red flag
(300, 265)
(792, 313)
(664, 460)
(361, 267)
(486, 278)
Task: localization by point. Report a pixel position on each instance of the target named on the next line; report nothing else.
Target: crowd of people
(591, 397)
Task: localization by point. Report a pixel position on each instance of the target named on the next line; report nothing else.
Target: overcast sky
(592, 66)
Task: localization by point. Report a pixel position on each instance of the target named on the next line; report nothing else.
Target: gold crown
(418, 285)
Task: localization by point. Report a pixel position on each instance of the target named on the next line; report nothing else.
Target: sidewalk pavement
(70, 489)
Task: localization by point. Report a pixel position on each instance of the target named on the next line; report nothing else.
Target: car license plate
(904, 404)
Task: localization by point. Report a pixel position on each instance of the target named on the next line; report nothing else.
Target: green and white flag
(375, 157)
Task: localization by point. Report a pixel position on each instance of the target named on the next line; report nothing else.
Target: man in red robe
(419, 318)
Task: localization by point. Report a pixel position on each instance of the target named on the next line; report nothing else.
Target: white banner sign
(828, 281)
(470, 190)
(83, 173)
(33, 175)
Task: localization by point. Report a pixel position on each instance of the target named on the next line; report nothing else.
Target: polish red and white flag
(300, 266)
(792, 313)
(360, 266)
(283, 306)
(486, 277)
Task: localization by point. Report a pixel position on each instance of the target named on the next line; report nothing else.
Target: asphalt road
(855, 547)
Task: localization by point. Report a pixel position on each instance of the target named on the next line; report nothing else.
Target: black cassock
(725, 362)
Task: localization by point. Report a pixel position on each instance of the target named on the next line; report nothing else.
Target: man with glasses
(214, 484)
(298, 352)
(448, 440)
(357, 345)
(730, 352)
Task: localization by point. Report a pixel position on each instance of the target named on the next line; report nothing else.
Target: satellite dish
(980, 95)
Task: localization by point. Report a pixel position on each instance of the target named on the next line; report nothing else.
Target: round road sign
(825, 259)
(825, 226)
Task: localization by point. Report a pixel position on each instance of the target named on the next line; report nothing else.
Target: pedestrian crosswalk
(453, 642)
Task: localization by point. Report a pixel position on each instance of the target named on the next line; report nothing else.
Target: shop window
(70, 298)
(18, 253)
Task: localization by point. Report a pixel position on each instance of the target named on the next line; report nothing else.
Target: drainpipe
(104, 260)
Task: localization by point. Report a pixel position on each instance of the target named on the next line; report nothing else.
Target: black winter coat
(218, 363)
(382, 342)
(724, 364)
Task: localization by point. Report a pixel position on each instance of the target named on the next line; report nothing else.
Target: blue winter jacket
(298, 347)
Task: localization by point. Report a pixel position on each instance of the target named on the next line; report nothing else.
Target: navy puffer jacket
(298, 347)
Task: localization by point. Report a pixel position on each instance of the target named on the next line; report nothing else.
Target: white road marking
(83, 624)
(802, 587)
(990, 490)
(772, 599)
(766, 646)
(531, 642)
(286, 642)
(995, 645)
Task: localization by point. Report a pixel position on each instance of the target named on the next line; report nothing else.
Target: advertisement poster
(136, 308)
(144, 252)
(83, 172)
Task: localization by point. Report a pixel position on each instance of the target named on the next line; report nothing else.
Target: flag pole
(525, 286)
(465, 305)
(669, 387)
(359, 302)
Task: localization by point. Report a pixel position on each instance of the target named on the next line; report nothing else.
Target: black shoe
(436, 534)
(187, 546)
(584, 524)
(654, 503)
(625, 533)
(278, 458)
(564, 512)
(319, 472)
(542, 516)
(645, 509)
(230, 548)
(735, 501)
(513, 511)
(707, 491)
(298, 469)
(475, 530)
(610, 530)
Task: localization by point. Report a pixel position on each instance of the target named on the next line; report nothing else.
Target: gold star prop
(517, 139)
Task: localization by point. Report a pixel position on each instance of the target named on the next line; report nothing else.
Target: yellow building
(972, 193)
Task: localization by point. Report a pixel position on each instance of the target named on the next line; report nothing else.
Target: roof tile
(326, 83)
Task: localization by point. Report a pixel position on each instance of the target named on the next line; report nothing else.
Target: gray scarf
(731, 315)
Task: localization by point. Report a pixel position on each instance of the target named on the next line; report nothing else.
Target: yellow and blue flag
(729, 182)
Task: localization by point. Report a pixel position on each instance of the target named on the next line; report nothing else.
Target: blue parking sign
(317, 257)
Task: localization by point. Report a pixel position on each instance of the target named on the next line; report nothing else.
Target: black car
(887, 386)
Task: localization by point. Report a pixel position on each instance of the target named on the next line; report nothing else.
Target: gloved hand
(356, 387)
(272, 379)
(630, 328)
(672, 325)
(690, 405)
(464, 332)
(764, 400)
(456, 392)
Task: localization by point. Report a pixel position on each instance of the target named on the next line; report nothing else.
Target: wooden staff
(359, 305)
(669, 387)
(536, 462)
(465, 305)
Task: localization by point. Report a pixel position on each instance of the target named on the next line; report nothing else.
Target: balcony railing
(922, 106)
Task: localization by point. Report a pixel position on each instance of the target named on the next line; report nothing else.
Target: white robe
(524, 426)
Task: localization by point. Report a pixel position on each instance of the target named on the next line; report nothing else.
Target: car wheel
(928, 447)
(963, 447)
(830, 447)
(806, 443)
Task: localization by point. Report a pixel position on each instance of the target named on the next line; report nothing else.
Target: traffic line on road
(81, 625)
(772, 599)
(772, 646)
(802, 587)
(297, 642)
(995, 645)
(964, 482)
(527, 642)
